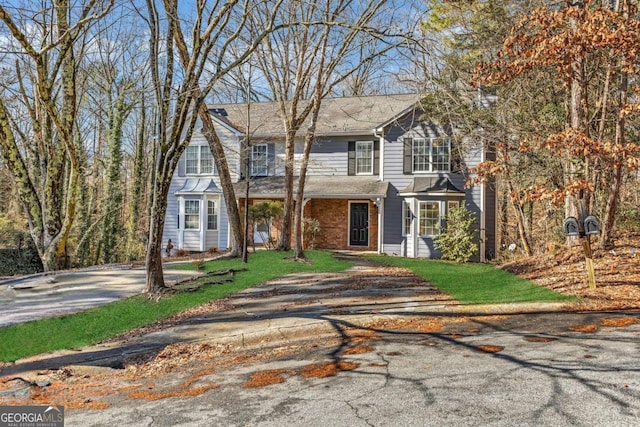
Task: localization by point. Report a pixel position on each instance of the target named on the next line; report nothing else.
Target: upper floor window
(199, 160)
(364, 157)
(192, 214)
(259, 160)
(427, 155)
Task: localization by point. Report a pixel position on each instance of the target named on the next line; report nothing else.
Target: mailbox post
(584, 226)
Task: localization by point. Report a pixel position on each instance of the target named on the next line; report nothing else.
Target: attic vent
(219, 111)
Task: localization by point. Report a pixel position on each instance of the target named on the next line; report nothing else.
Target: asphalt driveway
(39, 296)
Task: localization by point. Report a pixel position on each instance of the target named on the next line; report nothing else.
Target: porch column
(180, 222)
(380, 204)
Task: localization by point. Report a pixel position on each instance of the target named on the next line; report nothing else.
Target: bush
(458, 241)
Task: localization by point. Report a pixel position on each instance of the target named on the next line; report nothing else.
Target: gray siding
(394, 242)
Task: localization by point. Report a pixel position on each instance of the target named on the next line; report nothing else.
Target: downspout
(204, 211)
(180, 222)
(483, 216)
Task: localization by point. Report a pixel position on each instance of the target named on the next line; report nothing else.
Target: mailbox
(591, 225)
(571, 227)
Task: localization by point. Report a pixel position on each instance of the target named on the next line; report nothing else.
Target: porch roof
(431, 185)
(195, 186)
(316, 187)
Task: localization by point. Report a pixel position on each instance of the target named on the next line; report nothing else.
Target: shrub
(458, 241)
(182, 252)
(312, 226)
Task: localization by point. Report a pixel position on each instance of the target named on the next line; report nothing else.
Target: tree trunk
(226, 182)
(287, 214)
(153, 262)
(112, 226)
(608, 223)
(298, 250)
(520, 220)
(137, 188)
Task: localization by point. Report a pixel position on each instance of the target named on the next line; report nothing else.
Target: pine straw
(617, 274)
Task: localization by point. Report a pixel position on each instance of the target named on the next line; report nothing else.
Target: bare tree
(44, 158)
(180, 91)
(302, 64)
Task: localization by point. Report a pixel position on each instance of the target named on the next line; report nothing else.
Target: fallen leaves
(327, 369)
(487, 348)
(563, 270)
(618, 322)
(265, 378)
(587, 329)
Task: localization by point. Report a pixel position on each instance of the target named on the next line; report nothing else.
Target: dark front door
(359, 224)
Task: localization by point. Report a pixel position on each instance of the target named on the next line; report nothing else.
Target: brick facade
(333, 215)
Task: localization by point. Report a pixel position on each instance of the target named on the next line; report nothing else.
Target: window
(199, 160)
(212, 216)
(421, 155)
(440, 155)
(364, 157)
(430, 155)
(452, 204)
(191, 214)
(259, 160)
(429, 218)
(407, 216)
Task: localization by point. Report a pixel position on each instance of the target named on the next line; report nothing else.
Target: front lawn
(95, 325)
(475, 283)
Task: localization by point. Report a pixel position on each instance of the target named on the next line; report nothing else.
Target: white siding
(223, 224)
(192, 239)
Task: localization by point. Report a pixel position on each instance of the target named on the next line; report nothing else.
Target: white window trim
(266, 159)
(360, 143)
(199, 149)
(440, 216)
(198, 214)
(217, 216)
(406, 208)
(430, 154)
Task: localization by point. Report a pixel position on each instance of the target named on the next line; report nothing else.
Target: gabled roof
(358, 115)
(431, 185)
(316, 186)
(194, 186)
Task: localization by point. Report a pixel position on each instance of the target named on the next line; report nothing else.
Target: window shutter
(351, 159)
(271, 159)
(407, 166)
(376, 157)
(182, 165)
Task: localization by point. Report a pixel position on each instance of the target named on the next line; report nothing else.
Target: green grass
(475, 283)
(95, 325)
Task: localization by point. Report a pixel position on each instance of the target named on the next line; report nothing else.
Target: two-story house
(381, 177)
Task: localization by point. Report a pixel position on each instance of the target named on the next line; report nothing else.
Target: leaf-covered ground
(563, 270)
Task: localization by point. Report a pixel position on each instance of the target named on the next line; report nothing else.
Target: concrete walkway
(286, 309)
